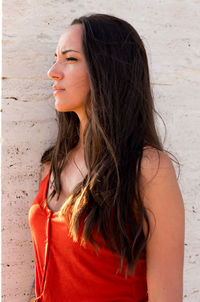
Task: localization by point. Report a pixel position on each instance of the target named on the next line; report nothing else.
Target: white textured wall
(170, 30)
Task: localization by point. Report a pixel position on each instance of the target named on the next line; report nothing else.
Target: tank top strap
(41, 194)
(148, 147)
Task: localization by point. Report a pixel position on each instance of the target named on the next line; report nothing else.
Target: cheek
(78, 85)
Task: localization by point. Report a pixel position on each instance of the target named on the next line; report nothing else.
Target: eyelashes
(68, 59)
(72, 59)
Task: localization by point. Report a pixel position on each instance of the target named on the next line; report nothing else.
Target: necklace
(78, 167)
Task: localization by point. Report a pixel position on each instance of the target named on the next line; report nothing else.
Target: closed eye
(72, 59)
(68, 59)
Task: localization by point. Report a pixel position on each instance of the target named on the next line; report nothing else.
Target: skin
(69, 72)
(161, 192)
(71, 75)
(165, 248)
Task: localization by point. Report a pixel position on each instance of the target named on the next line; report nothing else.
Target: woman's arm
(32, 293)
(165, 248)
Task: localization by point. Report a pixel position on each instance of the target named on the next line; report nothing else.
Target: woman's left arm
(165, 209)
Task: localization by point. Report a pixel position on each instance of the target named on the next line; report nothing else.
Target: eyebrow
(65, 51)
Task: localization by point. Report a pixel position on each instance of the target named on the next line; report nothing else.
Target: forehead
(71, 38)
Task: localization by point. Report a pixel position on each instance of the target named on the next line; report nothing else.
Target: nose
(55, 73)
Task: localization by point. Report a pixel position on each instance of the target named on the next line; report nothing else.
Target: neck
(80, 145)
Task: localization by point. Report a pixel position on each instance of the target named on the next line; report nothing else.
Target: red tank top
(65, 271)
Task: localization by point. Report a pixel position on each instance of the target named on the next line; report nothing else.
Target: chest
(70, 177)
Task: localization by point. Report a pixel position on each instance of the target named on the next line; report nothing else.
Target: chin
(67, 106)
(61, 107)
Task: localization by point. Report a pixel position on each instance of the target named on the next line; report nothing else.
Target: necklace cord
(78, 167)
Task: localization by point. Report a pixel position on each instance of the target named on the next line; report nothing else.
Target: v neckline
(45, 197)
(46, 178)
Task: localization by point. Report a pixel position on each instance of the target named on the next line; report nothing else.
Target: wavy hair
(121, 113)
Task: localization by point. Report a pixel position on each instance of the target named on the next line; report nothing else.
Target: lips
(57, 89)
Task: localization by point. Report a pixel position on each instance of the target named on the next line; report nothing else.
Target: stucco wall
(170, 31)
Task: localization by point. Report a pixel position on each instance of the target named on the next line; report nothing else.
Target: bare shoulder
(156, 164)
(160, 189)
(45, 167)
(163, 201)
(158, 180)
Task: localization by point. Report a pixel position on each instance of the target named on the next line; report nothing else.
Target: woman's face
(71, 81)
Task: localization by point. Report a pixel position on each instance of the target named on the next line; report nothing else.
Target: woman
(108, 220)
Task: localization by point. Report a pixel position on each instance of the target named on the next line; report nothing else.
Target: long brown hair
(121, 122)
